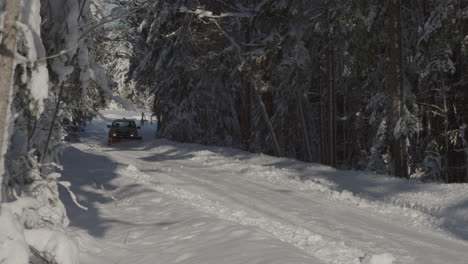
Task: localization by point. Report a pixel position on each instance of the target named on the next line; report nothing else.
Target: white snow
(201, 13)
(157, 201)
(57, 244)
(382, 259)
(30, 24)
(98, 74)
(18, 233)
(13, 249)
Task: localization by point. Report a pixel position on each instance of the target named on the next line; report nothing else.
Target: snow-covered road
(157, 201)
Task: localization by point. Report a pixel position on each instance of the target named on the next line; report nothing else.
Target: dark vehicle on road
(122, 129)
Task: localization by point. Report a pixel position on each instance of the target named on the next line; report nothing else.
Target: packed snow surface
(157, 201)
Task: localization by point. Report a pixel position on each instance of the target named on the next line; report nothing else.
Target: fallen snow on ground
(157, 201)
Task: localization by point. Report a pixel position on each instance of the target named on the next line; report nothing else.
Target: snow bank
(442, 206)
(13, 248)
(53, 245)
(15, 240)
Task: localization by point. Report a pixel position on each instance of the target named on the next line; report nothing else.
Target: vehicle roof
(123, 120)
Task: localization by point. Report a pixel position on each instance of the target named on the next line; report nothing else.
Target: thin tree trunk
(328, 103)
(323, 128)
(465, 148)
(401, 76)
(278, 151)
(31, 131)
(304, 127)
(7, 51)
(332, 110)
(345, 128)
(446, 128)
(396, 82)
(52, 123)
(244, 114)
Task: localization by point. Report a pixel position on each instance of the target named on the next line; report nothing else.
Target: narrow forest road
(157, 201)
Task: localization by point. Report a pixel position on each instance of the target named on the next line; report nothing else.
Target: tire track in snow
(324, 248)
(240, 193)
(287, 178)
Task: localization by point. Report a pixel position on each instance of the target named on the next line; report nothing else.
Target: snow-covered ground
(157, 201)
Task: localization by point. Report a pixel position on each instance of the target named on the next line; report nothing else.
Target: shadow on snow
(91, 176)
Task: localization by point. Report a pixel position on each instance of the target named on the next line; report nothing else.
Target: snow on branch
(67, 185)
(205, 13)
(81, 38)
(98, 74)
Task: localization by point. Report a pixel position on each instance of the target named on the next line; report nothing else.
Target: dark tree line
(361, 84)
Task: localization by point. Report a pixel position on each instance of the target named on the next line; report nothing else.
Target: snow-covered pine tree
(351, 63)
(52, 69)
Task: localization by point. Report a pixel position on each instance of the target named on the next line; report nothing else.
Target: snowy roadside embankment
(440, 205)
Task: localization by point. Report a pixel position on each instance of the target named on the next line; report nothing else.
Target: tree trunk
(328, 101)
(304, 127)
(52, 123)
(446, 129)
(243, 113)
(7, 51)
(332, 109)
(399, 166)
(401, 77)
(465, 149)
(278, 151)
(323, 138)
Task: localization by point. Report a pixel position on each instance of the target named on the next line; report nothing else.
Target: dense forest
(356, 84)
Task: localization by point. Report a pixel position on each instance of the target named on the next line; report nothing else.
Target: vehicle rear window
(123, 124)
